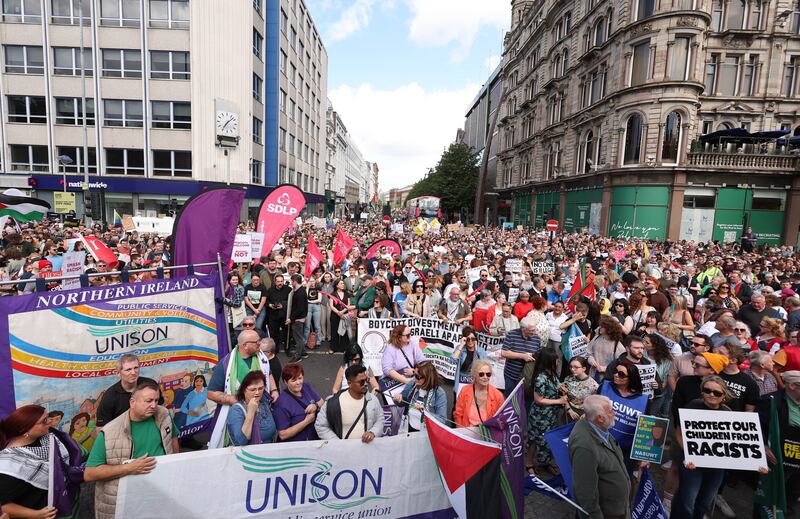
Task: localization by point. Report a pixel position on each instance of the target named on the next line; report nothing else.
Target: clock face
(227, 124)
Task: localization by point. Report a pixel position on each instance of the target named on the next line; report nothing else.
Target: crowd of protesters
(720, 321)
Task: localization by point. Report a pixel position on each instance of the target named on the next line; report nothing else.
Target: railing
(744, 161)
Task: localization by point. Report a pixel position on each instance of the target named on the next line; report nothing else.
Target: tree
(454, 180)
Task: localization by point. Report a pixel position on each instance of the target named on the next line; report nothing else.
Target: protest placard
(513, 294)
(63, 203)
(256, 242)
(648, 440)
(72, 265)
(573, 343)
(542, 267)
(127, 223)
(648, 374)
(722, 439)
(514, 265)
(242, 249)
(397, 227)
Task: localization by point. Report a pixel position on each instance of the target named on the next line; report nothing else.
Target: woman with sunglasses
(353, 357)
(401, 355)
(479, 400)
(418, 303)
(620, 312)
(424, 393)
(464, 355)
(698, 487)
(626, 386)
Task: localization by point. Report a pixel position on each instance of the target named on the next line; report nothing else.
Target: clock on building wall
(226, 123)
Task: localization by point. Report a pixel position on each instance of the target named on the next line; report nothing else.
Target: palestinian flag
(22, 208)
(470, 470)
(583, 286)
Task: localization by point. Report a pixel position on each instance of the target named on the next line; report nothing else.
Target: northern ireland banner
(60, 349)
(393, 477)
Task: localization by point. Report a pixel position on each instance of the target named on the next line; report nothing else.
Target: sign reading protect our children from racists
(722, 439)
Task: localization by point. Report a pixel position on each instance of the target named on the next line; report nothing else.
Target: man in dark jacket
(599, 478)
(277, 301)
(296, 317)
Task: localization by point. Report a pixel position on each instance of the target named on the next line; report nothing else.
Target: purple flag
(205, 226)
(507, 427)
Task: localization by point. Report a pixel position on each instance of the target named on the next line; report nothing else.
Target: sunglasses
(484, 375)
(714, 392)
(471, 339)
(362, 382)
(696, 365)
(698, 343)
(620, 374)
(744, 330)
(417, 376)
(248, 324)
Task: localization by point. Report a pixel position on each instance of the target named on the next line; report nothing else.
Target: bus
(427, 207)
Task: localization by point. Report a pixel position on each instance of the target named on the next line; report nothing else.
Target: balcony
(742, 161)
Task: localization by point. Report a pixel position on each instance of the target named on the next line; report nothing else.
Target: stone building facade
(605, 102)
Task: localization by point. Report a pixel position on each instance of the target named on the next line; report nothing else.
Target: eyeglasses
(714, 392)
(620, 374)
(484, 375)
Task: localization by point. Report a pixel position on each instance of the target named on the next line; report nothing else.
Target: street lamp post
(63, 161)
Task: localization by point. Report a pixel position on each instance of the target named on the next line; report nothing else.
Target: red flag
(583, 286)
(313, 256)
(100, 251)
(344, 244)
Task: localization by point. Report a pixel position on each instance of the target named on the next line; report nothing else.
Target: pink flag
(392, 248)
(313, 256)
(277, 212)
(343, 245)
(100, 251)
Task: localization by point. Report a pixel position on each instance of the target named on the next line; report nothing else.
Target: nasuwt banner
(60, 348)
(434, 337)
(393, 477)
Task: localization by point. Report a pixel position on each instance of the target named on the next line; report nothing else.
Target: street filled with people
(580, 318)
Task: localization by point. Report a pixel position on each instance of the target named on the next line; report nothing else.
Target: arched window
(632, 153)
(672, 138)
(599, 32)
(557, 66)
(725, 126)
(565, 62)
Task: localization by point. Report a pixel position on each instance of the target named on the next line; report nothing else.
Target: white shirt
(555, 323)
(351, 408)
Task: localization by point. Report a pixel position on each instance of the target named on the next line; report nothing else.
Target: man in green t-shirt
(128, 445)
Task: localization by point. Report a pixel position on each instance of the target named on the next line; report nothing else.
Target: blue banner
(558, 439)
(628, 411)
(573, 343)
(647, 505)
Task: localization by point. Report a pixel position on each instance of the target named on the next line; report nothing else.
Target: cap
(716, 361)
(44, 263)
(791, 377)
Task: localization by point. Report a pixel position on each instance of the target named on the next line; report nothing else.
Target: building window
(292, 37)
(172, 14)
(681, 56)
(166, 64)
(640, 63)
(284, 21)
(790, 77)
(67, 61)
(170, 163)
(257, 130)
(586, 153)
(645, 9)
(24, 59)
(258, 42)
(796, 17)
(672, 138)
(717, 12)
(28, 157)
(744, 14)
(123, 112)
(76, 154)
(258, 84)
(119, 13)
(124, 161)
(633, 140)
(283, 58)
(257, 6)
(729, 76)
(599, 36)
(125, 63)
(22, 11)
(711, 75)
(255, 172)
(70, 12)
(749, 84)
(27, 109)
(172, 114)
(282, 139)
(69, 111)
(291, 144)
(282, 101)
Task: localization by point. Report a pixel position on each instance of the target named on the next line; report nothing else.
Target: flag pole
(222, 288)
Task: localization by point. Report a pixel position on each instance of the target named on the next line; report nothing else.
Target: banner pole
(222, 288)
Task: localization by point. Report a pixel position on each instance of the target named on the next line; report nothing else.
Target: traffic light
(87, 204)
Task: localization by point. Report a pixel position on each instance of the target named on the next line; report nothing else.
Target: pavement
(320, 371)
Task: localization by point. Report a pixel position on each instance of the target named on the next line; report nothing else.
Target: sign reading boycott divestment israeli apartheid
(722, 439)
(388, 477)
(434, 337)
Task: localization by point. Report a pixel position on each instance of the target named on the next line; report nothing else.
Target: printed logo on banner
(333, 489)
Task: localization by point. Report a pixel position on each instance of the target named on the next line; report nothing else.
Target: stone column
(605, 211)
(791, 222)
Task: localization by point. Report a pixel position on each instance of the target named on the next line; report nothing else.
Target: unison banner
(393, 477)
(60, 348)
(434, 337)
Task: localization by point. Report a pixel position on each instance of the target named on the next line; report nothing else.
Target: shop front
(582, 210)
(639, 212)
(522, 211)
(547, 208)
